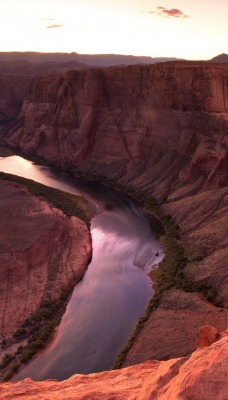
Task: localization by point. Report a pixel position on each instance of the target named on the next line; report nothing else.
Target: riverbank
(128, 245)
(170, 273)
(176, 294)
(171, 284)
(179, 299)
(184, 298)
(45, 251)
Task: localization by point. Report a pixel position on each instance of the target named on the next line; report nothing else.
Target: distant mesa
(34, 68)
(221, 58)
(92, 60)
(35, 63)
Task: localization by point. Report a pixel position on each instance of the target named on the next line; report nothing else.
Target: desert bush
(4, 343)
(19, 349)
(7, 358)
(11, 372)
(20, 333)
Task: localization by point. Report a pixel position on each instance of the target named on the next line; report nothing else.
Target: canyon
(163, 130)
(131, 124)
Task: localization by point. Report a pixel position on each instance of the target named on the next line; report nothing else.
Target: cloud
(165, 12)
(49, 19)
(54, 26)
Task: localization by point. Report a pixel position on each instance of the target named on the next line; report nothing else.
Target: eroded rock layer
(162, 128)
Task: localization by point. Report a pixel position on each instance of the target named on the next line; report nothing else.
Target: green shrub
(4, 343)
(20, 333)
(7, 358)
(11, 372)
(19, 349)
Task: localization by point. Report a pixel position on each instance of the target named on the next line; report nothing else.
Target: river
(115, 290)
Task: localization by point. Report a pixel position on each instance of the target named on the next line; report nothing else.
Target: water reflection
(115, 290)
(19, 166)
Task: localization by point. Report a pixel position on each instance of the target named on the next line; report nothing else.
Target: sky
(191, 29)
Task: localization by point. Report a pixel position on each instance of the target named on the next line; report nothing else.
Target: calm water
(115, 290)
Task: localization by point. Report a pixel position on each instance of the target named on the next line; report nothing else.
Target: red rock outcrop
(202, 376)
(207, 335)
(42, 252)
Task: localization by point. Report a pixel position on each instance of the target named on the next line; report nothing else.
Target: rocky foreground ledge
(202, 376)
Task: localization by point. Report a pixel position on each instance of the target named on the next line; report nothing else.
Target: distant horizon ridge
(94, 60)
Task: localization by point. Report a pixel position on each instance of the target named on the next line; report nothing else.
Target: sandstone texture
(207, 335)
(172, 329)
(202, 376)
(162, 129)
(42, 253)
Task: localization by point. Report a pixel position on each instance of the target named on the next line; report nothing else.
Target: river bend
(115, 290)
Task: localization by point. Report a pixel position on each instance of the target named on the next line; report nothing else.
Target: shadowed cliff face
(12, 92)
(161, 127)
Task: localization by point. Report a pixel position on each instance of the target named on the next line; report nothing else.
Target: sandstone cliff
(164, 130)
(202, 376)
(42, 254)
(12, 92)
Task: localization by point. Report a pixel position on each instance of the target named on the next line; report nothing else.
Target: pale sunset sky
(191, 29)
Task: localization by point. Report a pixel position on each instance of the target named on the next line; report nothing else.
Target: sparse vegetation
(39, 328)
(70, 204)
(8, 357)
(11, 372)
(38, 331)
(4, 343)
(170, 273)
